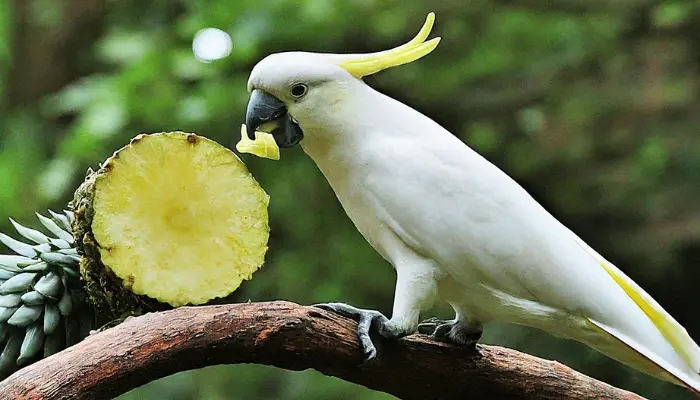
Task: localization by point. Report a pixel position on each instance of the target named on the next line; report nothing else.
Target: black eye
(299, 90)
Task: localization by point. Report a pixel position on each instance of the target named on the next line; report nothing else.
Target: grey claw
(367, 320)
(370, 353)
(428, 326)
(455, 332)
(339, 308)
(363, 327)
(443, 330)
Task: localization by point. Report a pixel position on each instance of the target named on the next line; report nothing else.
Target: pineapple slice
(171, 217)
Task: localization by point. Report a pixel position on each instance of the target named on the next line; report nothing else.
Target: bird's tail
(685, 375)
(644, 360)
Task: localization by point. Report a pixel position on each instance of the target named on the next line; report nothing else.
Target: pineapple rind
(104, 289)
(177, 221)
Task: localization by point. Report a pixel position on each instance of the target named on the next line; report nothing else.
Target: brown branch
(290, 336)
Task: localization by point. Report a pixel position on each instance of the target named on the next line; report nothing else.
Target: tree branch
(290, 336)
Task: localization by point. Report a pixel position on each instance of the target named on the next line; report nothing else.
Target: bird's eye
(299, 90)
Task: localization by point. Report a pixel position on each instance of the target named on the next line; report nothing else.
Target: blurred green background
(592, 105)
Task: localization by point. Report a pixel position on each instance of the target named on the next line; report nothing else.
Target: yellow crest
(360, 65)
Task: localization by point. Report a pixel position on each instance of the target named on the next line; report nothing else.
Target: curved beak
(264, 108)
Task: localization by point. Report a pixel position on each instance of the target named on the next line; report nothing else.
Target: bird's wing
(459, 207)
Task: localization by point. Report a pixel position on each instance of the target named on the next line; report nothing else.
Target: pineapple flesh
(170, 219)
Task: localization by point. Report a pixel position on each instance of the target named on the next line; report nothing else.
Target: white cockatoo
(454, 226)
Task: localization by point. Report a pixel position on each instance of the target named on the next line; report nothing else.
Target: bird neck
(341, 139)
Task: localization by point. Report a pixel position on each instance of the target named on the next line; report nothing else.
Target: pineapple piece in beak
(263, 146)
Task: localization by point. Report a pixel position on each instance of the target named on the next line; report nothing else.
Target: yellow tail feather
(651, 363)
(674, 333)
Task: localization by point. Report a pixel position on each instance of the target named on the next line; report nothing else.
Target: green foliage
(592, 107)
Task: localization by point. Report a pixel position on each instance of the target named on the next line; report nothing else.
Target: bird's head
(288, 89)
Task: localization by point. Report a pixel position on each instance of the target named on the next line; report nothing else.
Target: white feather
(452, 222)
(506, 257)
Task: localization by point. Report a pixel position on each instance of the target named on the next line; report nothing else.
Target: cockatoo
(455, 227)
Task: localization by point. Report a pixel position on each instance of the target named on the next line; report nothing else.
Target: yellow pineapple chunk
(179, 218)
(263, 146)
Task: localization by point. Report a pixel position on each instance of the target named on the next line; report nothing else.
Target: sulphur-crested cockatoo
(454, 226)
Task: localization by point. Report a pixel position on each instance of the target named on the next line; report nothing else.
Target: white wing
(452, 205)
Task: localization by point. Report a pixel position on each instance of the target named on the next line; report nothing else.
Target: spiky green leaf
(6, 313)
(50, 285)
(11, 351)
(10, 300)
(4, 330)
(5, 275)
(25, 315)
(69, 252)
(42, 248)
(18, 283)
(36, 267)
(33, 298)
(9, 262)
(70, 271)
(65, 304)
(55, 229)
(31, 345)
(57, 258)
(71, 217)
(62, 220)
(60, 244)
(29, 233)
(52, 318)
(18, 247)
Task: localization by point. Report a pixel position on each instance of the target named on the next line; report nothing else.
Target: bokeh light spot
(211, 44)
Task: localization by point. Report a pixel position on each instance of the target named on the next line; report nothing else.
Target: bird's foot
(367, 321)
(452, 331)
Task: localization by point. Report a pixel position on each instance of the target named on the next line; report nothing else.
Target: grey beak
(262, 108)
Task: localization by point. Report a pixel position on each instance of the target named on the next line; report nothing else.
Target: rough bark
(290, 336)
